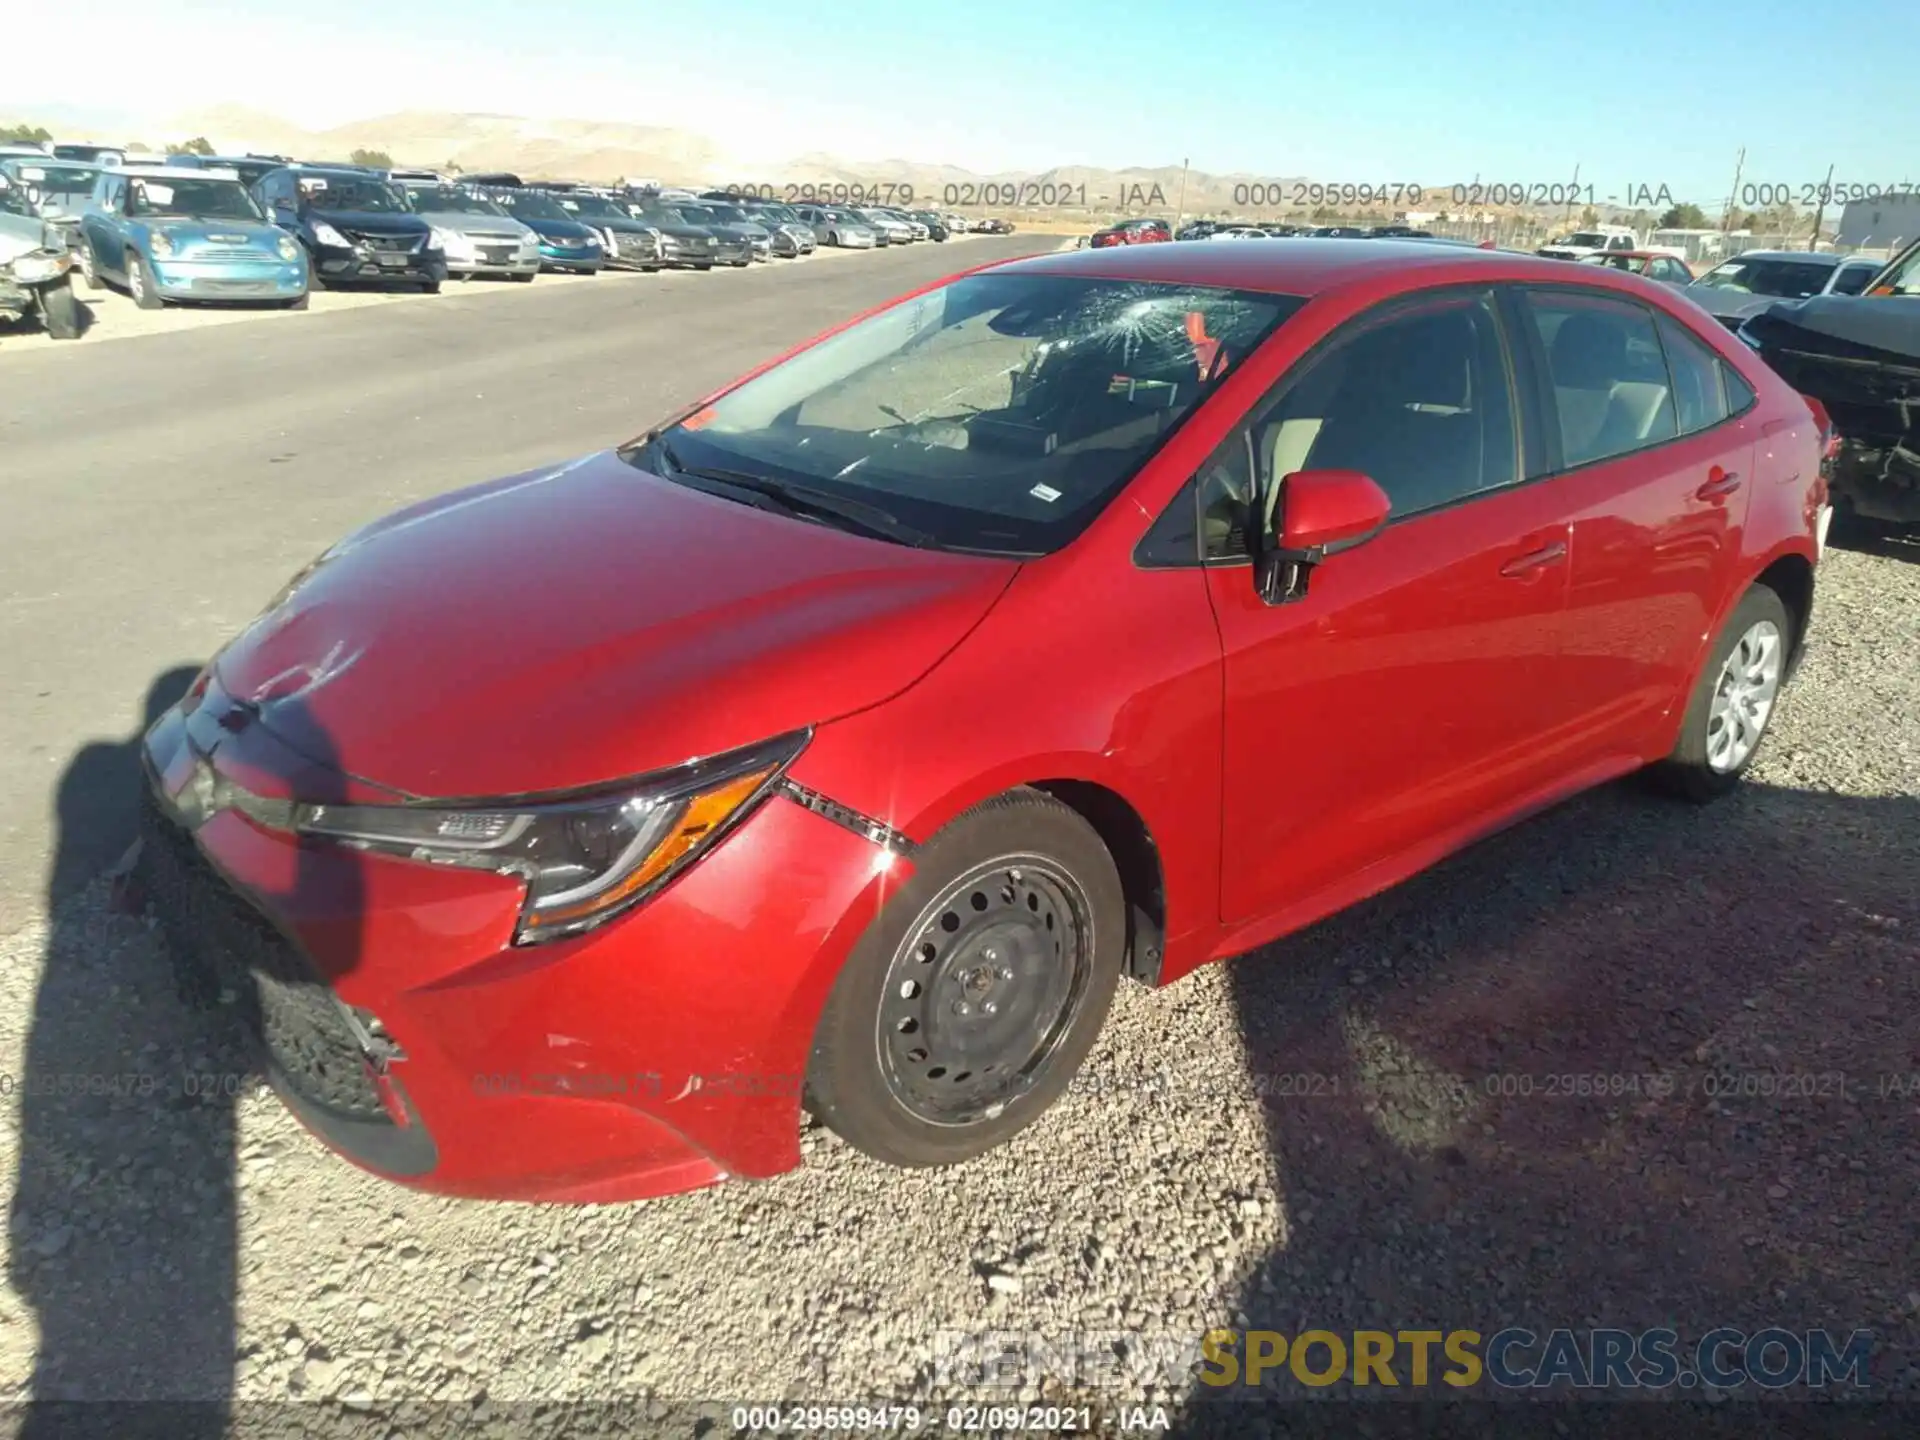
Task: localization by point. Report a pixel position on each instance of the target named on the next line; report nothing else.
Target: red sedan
(1131, 232)
(844, 740)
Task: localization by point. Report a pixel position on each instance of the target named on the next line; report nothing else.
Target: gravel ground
(1204, 1172)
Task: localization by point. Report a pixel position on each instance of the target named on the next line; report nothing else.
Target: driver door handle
(1719, 483)
(1535, 560)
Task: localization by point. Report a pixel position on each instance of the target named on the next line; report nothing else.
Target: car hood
(186, 234)
(465, 222)
(728, 230)
(587, 622)
(1728, 304)
(1858, 356)
(561, 230)
(685, 232)
(371, 222)
(21, 233)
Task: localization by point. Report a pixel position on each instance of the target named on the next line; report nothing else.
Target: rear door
(1657, 469)
(1401, 698)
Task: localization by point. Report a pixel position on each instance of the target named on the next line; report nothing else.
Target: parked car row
(269, 228)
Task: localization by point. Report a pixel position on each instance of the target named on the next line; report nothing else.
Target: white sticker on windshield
(32, 172)
(154, 194)
(1045, 492)
(311, 183)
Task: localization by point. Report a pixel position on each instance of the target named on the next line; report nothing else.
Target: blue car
(168, 233)
(565, 244)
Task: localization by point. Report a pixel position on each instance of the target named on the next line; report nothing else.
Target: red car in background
(1654, 264)
(844, 740)
(1131, 232)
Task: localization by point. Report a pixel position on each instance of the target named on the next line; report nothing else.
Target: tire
(524, 279)
(298, 303)
(429, 287)
(904, 1076)
(1700, 768)
(61, 312)
(88, 277)
(703, 265)
(140, 283)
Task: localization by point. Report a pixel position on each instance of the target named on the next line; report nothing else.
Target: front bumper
(369, 262)
(230, 279)
(663, 1052)
(489, 256)
(583, 259)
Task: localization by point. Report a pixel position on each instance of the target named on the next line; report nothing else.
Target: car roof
(1309, 266)
(173, 174)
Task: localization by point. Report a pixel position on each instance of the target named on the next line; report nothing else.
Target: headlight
(288, 247)
(327, 235)
(37, 266)
(160, 243)
(586, 859)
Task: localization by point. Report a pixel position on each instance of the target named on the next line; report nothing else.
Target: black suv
(354, 225)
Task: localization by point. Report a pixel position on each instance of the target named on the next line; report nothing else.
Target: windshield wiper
(808, 503)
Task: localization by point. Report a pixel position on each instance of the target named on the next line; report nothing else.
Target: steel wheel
(982, 989)
(975, 994)
(1743, 697)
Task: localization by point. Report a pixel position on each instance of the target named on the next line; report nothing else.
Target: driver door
(1377, 720)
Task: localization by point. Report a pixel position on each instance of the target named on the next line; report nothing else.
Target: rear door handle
(1535, 559)
(1719, 482)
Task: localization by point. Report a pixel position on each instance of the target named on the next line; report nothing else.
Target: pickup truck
(1600, 240)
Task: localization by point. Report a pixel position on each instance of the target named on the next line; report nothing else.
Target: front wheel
(969, 1003)
(61, 311)
(140, 282)
(524, 277)
(84, 259)
(429, 287)
(1733, 699)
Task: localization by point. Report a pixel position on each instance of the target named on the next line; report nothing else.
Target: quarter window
(1611, 390)
(1698, 398)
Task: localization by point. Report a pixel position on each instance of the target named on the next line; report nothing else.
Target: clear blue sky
(1632, 91)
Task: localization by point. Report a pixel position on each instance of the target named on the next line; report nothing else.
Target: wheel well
(1136, 857)
(1791, 578)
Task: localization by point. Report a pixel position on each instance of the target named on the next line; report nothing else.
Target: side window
(1740, 396)
(1417, 395)
(1697, 395)
(1611, 391)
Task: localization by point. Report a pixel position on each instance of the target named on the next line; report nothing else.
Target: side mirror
(1318, 512)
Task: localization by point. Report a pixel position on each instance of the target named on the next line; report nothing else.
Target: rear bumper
(661, 1053)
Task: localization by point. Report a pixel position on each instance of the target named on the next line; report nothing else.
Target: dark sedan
(355, 226)
(1736, 289)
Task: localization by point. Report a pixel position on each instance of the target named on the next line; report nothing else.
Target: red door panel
(1399, 697)
(1655, 538)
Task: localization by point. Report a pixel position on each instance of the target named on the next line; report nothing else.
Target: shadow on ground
(1739, 984)
(123, 1232)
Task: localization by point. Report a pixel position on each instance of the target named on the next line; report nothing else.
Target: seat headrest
(1589, 352)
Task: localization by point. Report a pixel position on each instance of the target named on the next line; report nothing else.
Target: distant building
(1877, 224)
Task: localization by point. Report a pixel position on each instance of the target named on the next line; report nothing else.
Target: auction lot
(1374, 1126)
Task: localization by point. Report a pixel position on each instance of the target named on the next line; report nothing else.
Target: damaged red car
(843, 742)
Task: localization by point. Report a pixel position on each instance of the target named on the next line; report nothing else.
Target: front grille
(231, 252)
(234, 287)
(498, 254)
(388, 244)
(288, 1010)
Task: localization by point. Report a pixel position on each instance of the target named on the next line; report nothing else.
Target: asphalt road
(156, 490)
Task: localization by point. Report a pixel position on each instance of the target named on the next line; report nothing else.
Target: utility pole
(1726, 215)
(1180, 205)
(1820, 214)
(1567, 219)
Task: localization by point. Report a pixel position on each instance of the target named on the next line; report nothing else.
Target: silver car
(478, 237)
(784, 220)
(896, 232)
(833, 225)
